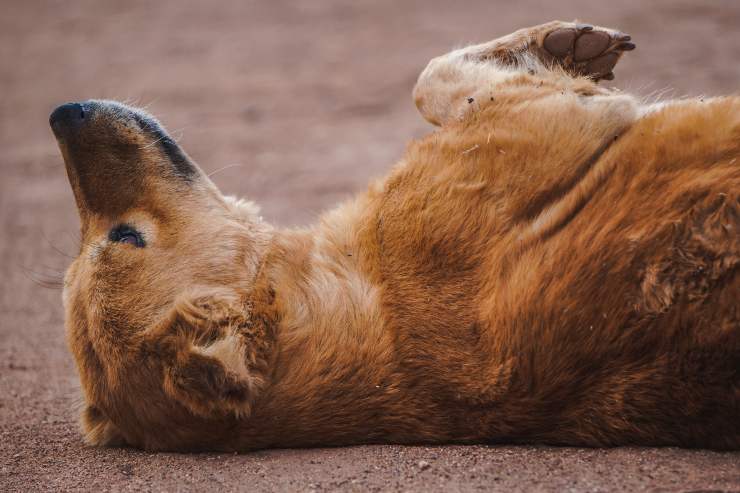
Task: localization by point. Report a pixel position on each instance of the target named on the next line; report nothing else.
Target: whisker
(131, 101)
(46, 281)
(181, 132)
(54, 247)
(153, 143)
(149, 104)
(76, 237)
(232, 165)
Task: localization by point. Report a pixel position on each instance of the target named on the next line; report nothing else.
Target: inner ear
(207, 386)
(99, 430)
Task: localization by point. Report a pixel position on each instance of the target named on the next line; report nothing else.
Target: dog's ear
(212, 380)
(99, 430)
(215, 359)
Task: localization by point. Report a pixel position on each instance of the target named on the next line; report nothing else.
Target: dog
(557, 263)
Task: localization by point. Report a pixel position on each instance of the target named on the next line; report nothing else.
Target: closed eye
(123, 233)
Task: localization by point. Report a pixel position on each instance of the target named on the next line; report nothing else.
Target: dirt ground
(295, 105)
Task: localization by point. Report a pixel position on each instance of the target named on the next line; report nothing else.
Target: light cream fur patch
(229, 351)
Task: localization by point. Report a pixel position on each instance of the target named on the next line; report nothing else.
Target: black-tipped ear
(99, 430)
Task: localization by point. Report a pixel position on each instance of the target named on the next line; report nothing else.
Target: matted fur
(556, 264)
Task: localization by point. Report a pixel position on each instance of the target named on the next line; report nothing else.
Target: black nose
(68, 115)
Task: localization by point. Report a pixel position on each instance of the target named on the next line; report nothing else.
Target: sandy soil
(295, 105)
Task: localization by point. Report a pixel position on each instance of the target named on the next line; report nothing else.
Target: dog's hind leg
(570, 56)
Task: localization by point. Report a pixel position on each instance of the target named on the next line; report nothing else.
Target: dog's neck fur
(328, 327)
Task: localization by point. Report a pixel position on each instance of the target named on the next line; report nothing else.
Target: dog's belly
(620, 325)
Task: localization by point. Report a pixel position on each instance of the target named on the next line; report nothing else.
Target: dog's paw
(585, 49)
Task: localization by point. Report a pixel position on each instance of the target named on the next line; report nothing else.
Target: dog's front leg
(564, 54)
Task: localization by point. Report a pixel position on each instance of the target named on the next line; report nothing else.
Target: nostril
(68, 114)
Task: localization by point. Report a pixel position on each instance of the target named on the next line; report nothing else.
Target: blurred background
(295, 105)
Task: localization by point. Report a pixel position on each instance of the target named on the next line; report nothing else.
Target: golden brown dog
(557, 264)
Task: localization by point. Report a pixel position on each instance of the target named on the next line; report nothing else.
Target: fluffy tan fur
(556, 264)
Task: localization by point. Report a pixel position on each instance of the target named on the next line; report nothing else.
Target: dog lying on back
(557, 264)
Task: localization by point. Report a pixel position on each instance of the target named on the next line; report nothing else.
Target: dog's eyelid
(127, 234)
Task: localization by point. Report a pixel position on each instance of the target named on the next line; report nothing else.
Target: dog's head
(154, 228)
